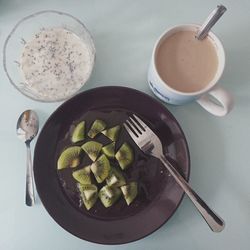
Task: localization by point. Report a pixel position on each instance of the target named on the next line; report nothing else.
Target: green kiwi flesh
(92, 149)
(115, 178)
(109, 195)
(109, 150)
(82, 175)
(88, 194)
(130, 192)
(112, 133)
(97, 127)
(70, 157)
(79, 132)
(125, 155)
(114, 183)
(101, 168)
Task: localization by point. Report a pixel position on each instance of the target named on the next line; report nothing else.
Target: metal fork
(150, 144)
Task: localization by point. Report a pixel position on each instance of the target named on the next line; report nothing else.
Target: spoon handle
(210, 21)
(30, 196)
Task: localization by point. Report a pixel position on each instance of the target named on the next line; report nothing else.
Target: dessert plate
(159, 195)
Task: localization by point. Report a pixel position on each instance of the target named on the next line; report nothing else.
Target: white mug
(224, 100)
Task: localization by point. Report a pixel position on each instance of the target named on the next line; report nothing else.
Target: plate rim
(140, 93)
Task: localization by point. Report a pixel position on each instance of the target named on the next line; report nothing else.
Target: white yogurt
(55, 63)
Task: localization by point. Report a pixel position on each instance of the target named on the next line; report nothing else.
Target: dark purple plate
(159, 195)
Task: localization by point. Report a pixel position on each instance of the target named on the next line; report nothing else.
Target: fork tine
(132, 127)
(140, 122)
(131, 133)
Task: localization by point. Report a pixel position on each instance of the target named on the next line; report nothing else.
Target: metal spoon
(210, 21)
(27, 128)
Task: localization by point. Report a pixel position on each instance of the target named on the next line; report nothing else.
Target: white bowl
(24, 30)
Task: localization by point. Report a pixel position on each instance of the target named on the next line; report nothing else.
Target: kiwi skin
(109, 150)
(130, 192)
(125, 156)
(117, 187)
(97, 127)
(82, 175)
(101, 168)
(88, 203)
(92, 149)
(70, 157)
(112, 133)
(117, 174)
(106, 199)
(79, 132)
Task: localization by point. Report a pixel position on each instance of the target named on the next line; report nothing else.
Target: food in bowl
(55, 63)
(25, 71)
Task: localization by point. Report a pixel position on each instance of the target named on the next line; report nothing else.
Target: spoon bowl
(27, 126)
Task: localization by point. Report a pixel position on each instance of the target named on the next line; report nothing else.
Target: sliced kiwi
(115, 178)
(125, 155)
(70, 157)
(88, 194)
(82, 175)
(109, 195)
(79, 132)
(109, 150)
(130, 191)
(101, 168)
(112, 133)
(97, 127)
(92, 149)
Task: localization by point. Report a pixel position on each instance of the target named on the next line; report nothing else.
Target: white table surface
(124, 34)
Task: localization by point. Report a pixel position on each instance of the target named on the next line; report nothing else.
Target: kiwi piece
(70, 157)
(125, 155)
(109, 195)
(130, 191)
(88, 194)
(115, 178)
(92, 149)
(82, 175)
(97, 127)
(109, 150)
(101, 168)
(112, 133)
(79, 132)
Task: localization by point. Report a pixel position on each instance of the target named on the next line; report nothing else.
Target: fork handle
(213, 220)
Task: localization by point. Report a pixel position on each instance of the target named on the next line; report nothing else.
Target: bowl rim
(32, 16)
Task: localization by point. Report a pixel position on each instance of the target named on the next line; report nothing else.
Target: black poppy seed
(64, 52)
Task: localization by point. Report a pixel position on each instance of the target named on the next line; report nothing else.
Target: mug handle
(222, 104)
